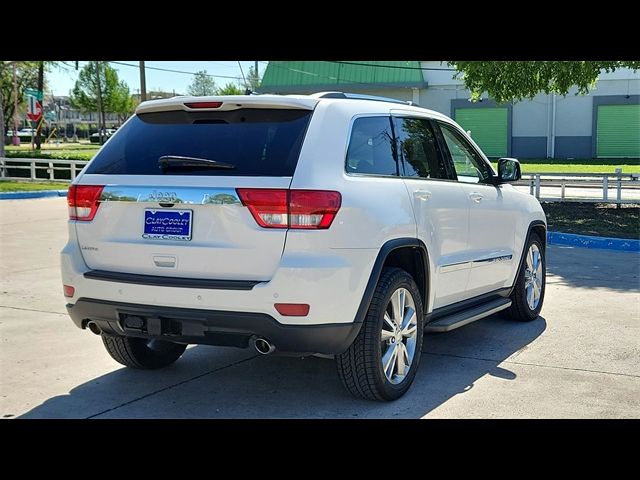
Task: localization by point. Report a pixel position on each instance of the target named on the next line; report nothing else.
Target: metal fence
(12, 168)
(548, 187)
(583, 187)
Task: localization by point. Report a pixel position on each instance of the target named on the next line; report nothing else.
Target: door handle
(476, 197)
(422, 194)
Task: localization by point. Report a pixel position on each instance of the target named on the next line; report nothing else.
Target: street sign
(34, 104)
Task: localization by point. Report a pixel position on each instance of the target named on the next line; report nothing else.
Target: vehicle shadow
(593, 268)
(285, 387)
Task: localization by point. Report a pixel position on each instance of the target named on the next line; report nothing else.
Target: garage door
(618, 131)
(488, 128)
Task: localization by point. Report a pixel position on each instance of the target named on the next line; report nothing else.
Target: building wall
(532, 135)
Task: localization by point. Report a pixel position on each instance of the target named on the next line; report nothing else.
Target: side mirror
(509, 170)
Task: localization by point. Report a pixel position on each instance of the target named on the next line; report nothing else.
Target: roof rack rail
(358, 96)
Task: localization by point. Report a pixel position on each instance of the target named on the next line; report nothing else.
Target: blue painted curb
(588, 241)
(32, 194)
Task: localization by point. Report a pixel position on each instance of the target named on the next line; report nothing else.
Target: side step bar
(460, 319)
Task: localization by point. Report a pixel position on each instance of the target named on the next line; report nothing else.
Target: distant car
(95, 137)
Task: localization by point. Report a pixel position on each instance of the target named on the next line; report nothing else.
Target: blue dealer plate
(167, 224)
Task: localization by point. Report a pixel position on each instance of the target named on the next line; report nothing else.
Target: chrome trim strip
(173, 195)
(453, 267)
(489, 261)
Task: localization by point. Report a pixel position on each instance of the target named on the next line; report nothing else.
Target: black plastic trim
(387, 248)
(178, 282)
(467, 304)
(211, 327)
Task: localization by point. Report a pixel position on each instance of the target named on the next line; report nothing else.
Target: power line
(173, 71)
(395, 66)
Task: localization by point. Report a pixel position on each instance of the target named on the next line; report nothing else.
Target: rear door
(440, 207)
(185, 218)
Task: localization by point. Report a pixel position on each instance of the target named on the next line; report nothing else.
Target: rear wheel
(383, 359)
(142, 353)
(528, 294)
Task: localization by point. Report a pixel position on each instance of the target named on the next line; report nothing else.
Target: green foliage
(202, 85)
(26, 77)
(253, 79)
(54, 154)
(512, 81)
(115, 93)
(230, 89)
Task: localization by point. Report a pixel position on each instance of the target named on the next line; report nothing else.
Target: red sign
(34, 109)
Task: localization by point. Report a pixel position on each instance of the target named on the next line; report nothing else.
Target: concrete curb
(588, 241)
(32, 194)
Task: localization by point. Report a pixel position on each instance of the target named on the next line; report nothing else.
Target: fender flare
(384, 252)
(535, 223)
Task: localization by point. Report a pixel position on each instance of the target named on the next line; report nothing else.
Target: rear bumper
(210, 327)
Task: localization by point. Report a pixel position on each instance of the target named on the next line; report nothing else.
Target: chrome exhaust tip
(93, 326)
(263, 347)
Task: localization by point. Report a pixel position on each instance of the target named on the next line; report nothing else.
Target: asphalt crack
(169, 387)
(533, 364)
(33, 310)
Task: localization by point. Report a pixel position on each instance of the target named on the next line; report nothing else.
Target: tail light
(83, 201)
(299, 209)
(69, 291)
(292, 309)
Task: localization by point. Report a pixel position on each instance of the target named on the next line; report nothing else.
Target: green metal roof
(305, 76)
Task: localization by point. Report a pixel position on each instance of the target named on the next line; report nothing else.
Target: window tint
(469, 166)
(258, 142)
(418, 147)
(371, 147)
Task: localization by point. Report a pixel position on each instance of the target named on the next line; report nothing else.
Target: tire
(523, 309)
(360, 368)
(142, 353)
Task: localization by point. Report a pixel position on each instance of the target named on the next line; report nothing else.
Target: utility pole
(255, 67)
(16, 139)
(1, 126)
(100, 116)
(143, 82)
(40, 89)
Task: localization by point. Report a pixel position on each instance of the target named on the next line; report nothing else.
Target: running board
(460, 319)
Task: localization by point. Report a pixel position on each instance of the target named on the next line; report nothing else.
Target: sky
(61, 80)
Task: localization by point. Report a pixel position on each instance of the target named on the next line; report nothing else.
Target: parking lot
(581, 358)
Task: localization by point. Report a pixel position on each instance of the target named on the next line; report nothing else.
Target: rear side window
(257, 142)
(371, 148)
(419, 150)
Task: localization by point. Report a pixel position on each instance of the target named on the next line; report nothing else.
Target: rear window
(258, 142)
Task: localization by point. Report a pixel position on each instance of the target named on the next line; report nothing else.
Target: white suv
(324, 224)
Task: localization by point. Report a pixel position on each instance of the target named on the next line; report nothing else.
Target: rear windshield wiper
(178, 161)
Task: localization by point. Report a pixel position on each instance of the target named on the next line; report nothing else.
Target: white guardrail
(547, 187)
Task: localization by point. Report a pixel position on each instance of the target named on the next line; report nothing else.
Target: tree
(1, 126)
(26, 76)
(230, 89)
(253, 79)
(512, 81)
(113, 93)
(202, 85)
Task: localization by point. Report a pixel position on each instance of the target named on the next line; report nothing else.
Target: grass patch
(582, 161)
(15, 186)
(600, 219)
(575, 168)
(54, 147)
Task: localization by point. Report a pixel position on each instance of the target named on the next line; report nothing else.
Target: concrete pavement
(580, 359)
